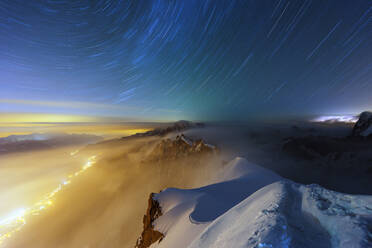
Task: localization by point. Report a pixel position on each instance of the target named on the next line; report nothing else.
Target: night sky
(186, 59)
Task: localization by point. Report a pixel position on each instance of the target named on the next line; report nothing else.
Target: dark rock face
(178, 148)
(149, 235)
(364, 122)
(340, 153)
(312, 147)
(339, 163)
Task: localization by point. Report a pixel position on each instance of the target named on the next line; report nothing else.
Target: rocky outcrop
(179, 151)
(180, 147)
(363, 126)
(149, 235)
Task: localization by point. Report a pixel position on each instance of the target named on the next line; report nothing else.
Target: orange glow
(35, 117)
(27, 123)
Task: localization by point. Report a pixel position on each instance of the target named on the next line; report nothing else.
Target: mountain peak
(180, 147)
(363, 126)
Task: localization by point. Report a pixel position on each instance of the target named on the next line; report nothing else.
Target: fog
(263, 144)
(104, 206)
(27, 176)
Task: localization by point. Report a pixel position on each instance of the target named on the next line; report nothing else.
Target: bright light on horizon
(336, 118)
(26, 124)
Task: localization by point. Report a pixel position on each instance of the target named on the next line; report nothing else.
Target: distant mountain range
(178, 126)
(39, 141)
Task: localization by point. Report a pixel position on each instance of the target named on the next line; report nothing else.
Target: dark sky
(186, 59)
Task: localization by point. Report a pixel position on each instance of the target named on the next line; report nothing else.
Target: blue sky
(198, 60)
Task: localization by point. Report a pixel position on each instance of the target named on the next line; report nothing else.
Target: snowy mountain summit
(363, 126)
(250, 206)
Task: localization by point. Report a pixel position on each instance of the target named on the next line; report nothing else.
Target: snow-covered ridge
(251, 206)
(285, 214)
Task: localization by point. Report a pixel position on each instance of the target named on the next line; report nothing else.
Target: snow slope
(186, 213)
(253, 207)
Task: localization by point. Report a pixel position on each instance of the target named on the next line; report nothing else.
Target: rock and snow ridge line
(253, 207)
(180, 147)
(176, 127)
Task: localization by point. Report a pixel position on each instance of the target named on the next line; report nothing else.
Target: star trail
(186, 59)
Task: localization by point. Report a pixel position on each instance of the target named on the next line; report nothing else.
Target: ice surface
(253, 207)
